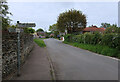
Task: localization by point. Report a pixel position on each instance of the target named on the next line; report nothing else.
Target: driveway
(71, 63)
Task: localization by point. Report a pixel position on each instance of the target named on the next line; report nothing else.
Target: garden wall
(9, 52)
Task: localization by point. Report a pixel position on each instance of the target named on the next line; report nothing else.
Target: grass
(43, 38)
(40, 42)
(104, 50)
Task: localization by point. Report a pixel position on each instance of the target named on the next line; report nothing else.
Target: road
(71, 63)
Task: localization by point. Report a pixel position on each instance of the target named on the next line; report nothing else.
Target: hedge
(110, 40)
(104, 50)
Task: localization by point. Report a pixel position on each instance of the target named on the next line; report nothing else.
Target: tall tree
(29, 30)
(3, 14)
(71, 20)
(53, 27)
(105, 25)
(40, 30)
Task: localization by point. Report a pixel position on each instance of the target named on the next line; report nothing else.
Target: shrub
(46, 36)
(68, 37)
(104, 50)
(76, 38)
(96, 38)
(107, 39)
(111, 40)
(87, 38)
(116, 41)
(112, 29)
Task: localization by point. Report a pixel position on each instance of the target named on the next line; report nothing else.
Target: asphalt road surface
(73, 63)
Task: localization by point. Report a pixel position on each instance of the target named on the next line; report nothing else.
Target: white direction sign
(26, 24)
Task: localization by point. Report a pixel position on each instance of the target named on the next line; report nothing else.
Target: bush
(106, 44)
(78, 38)
(68, 37)
(104, 50)
(96, 38)
(107, 39)
(87, 38)
(112, 29)
(110, 40)
(46, 36)
(116, 41)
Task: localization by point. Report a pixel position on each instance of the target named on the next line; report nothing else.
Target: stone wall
(9, 51)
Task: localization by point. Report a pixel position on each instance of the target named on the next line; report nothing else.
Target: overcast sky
(62, 0)
(46, 13)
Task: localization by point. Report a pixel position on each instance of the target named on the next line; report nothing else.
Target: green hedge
(104, 50)
(110, 40)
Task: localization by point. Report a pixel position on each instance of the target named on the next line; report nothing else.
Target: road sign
(18, 30)
(26, 24)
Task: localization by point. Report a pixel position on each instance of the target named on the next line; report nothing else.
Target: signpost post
(18, 51)
(18, 29)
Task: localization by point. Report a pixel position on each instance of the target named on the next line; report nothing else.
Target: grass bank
(40, 42)
(104, 50)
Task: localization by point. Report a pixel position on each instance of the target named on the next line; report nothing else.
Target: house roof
(93, 29)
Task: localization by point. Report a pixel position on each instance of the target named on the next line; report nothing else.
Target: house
(52, 35)
(41, 34)
(35, 35)
(93, 29)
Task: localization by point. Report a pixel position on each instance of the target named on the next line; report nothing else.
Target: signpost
(18, 51)
(25, 25)
(18, 30)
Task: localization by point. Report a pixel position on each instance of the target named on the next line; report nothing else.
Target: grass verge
(40, 42)
(104, 50)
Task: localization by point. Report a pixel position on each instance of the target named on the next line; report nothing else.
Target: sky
(119, 14)
(45, 13)
(63, 0)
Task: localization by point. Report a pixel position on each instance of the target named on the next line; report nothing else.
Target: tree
(40, 30)
(4, 12)
(105, 25)
(29, 30)
(13, 26)
(71, 20)
(112, 29)
(53, 27)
